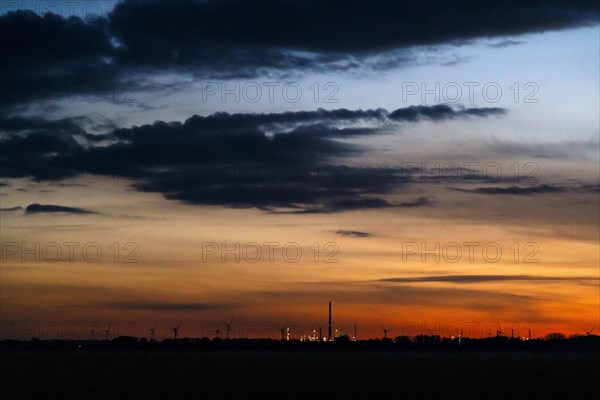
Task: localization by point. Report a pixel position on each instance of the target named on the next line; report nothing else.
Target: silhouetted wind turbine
(107, 332)
(176, 330)
(385, 331)
(228, 325)
(218, 332)
(282, 330)
(152, 332)
(588, 333)
(499, 331)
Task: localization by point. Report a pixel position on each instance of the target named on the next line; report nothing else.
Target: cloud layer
(279, 162)
(466, 279)
(190, 30)
(50, 56)
(36, 208)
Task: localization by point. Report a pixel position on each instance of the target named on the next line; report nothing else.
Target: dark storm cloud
(25, 144)
(235, 138)
(222, 121)
(316, 188)
(590, 188)
(46, 57)
(17, 208)
(192, 30)
(50, 208)
(50, 56)
(62, 128)
(482, 278)
(516, 190)
(269, 161)
(441, 112)
(352, 234)
(38, 124)
(42, 41)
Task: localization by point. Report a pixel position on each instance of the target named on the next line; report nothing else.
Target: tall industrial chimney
(329, 329)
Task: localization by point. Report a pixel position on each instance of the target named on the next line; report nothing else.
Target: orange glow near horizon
(379, 280)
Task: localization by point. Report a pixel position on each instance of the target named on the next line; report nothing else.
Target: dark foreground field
(285, 373)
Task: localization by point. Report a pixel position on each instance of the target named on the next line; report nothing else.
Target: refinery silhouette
(350, 366)
(336, 338)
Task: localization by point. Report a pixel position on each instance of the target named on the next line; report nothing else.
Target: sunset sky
(428, 167)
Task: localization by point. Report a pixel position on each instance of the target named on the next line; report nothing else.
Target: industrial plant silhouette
(423, 365)
(335, 339)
